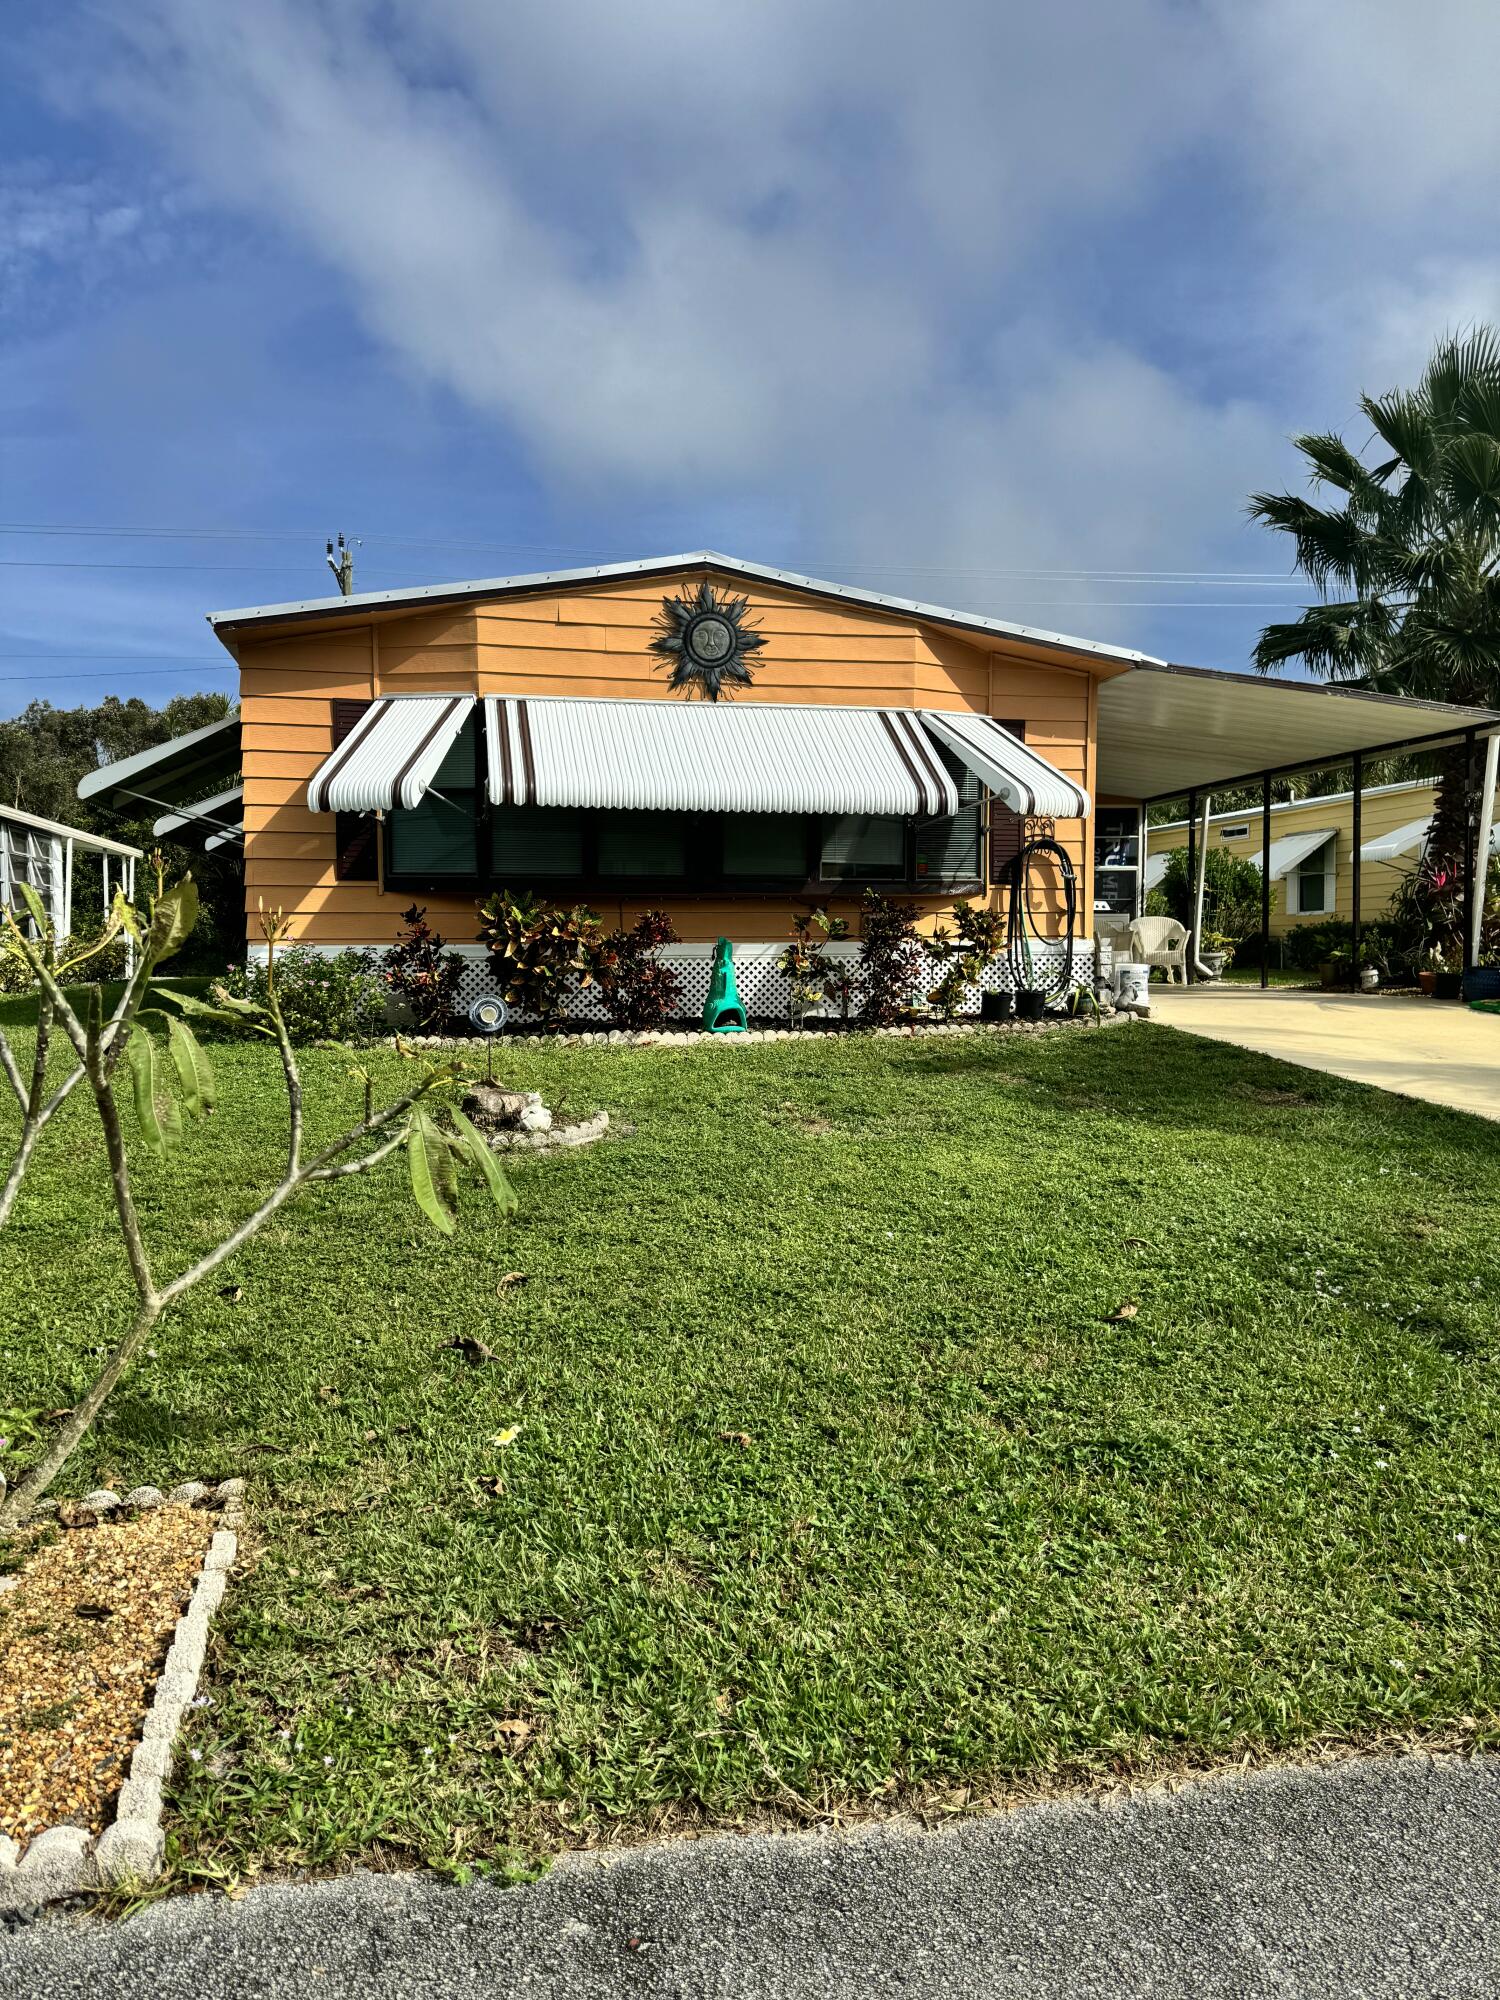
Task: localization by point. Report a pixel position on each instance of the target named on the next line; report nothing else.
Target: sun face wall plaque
(706, 638)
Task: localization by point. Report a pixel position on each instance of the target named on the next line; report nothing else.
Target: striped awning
(741, 757)
(391, 755)
(1028, 783)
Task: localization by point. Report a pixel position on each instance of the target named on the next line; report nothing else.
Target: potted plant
(1448, 981)
(1335, 970)
(1373, 967)
(1215, 953)
(1428, 970)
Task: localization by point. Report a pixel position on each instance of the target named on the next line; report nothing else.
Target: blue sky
(997, 307)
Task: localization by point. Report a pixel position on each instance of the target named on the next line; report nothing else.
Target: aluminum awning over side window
(1026, 782)
(1291, 851)
(391, 755)
(748, 757)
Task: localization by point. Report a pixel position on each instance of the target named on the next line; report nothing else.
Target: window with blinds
(858, 847)
(645, 845)
(764, 847)
(545, 842)
(436, 839)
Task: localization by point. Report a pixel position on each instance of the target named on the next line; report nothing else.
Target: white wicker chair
(1160, 942)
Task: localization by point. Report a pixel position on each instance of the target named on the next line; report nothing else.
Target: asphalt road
(1371, 1878)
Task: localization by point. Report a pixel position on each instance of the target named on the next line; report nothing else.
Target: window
(539, 842)
(1234, 833)
(857, 847)
(1117, 857)
(1312, 883)
(952, 849)
(436, 838)
(764, 847)
(643, 844)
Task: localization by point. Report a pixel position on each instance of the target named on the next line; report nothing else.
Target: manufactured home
(725, 741)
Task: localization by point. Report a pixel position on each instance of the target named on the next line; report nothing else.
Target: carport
(1168, 732)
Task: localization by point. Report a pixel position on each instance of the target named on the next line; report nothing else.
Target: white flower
(1382, 1465)
(196, 1755)
(1398, 1664)
(327, 1763)
(1460, 1538)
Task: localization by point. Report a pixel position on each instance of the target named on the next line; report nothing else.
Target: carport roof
(1166, 730)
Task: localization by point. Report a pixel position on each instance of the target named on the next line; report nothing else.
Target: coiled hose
(1020, 925)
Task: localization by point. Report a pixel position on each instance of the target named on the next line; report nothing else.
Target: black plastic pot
(1482, 982)
(1029, 1003)
(997, 1006)
(1448, 986)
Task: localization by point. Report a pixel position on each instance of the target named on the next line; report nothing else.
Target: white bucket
(1132, 984)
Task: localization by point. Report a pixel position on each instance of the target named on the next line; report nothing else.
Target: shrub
(420, 973)
(976, 941)
(1231, 892)
(637, 989)
(891, 961)
(539, 954)
(338, 997)
(810, 972)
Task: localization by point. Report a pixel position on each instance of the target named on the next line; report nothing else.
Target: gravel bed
(84, 1625)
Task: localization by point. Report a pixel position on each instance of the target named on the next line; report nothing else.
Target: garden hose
(1021, 927)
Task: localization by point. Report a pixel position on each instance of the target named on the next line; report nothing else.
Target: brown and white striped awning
(740, 757)
(670, 756)
(391, 755)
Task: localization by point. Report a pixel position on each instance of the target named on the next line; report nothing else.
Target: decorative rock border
(65, 1860)
(686, 1037)
(583, 1133)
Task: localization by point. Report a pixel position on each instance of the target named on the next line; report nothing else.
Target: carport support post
(1265, 881)
(1192, 876)
(1482, 843)
(1357, 835)
(1471, 901)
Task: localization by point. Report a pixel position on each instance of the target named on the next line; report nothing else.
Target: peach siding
(593, 641)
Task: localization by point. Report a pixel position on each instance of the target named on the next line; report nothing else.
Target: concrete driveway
(1437, 1049)
(1377, 1878)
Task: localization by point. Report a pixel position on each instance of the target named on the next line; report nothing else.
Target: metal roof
(192, 825)
(77, 834)
(167, 773)
(1165, 730)
(224, 622)
(742, 757)
(391, 755)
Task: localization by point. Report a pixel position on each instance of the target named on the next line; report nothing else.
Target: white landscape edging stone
(64, 1860)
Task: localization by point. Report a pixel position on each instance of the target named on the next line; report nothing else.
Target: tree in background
(1408, 561)
(44, 751)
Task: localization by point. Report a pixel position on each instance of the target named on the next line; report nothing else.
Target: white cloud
(840, 253)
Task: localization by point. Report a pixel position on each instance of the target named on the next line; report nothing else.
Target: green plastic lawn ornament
(724, 1011)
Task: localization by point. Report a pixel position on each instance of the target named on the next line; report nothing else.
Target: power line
(597, 553)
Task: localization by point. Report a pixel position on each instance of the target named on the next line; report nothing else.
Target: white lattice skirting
(764, 990)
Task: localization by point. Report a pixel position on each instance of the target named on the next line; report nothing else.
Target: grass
(844, 1468)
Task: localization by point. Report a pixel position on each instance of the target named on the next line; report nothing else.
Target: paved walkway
(1435, 1049)
(1357, 1881)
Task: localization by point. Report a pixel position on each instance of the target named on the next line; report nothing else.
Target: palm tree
(1408, 564)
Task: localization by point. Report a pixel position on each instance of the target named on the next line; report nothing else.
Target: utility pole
(342, 566)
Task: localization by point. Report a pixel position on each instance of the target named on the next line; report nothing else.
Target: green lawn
(838, 1474)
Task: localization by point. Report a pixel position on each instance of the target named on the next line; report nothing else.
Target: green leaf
(140, 1051)
(433, 1180)
(193, 1070)
(126, 915)
(473, 1148)
(172, 920)
(232, 1011)
(35, 905)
